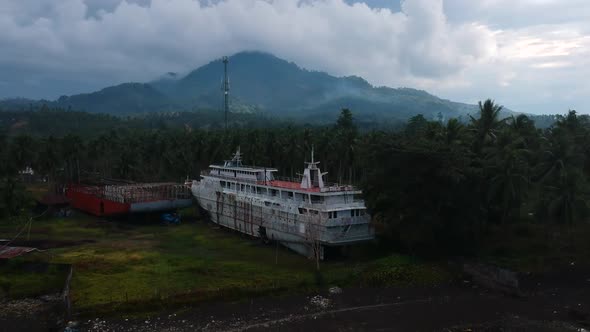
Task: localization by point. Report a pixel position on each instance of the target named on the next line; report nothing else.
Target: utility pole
(225, 89)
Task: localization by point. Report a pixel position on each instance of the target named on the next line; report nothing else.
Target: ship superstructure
(306, 215)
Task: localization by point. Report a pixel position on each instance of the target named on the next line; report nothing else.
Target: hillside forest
(433, 187)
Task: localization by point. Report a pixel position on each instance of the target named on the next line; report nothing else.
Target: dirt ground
(558, 301)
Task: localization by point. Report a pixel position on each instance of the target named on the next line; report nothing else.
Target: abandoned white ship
(305, 215)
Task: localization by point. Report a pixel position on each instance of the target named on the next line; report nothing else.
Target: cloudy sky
(529, 55)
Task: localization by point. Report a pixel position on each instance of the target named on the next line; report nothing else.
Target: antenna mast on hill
(225, 89)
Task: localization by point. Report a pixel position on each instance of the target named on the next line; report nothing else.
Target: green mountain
(127, 98)
(262, 83)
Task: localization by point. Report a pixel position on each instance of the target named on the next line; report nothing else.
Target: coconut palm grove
(434, 187)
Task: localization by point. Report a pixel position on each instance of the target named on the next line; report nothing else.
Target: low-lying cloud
(62, 47)
(130, 40)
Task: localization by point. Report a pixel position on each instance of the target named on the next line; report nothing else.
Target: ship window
(352, 213)
(289, 194)
(242, 187)
(317, 199)
(302, 211)
(223, 184)
(273, 192)
(330, 214)
(335, 214)
(258, 190)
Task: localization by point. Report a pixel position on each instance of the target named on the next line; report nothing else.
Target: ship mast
(312, 176)
(225, 90)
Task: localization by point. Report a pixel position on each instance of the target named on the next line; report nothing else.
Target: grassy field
(121, 266)
(19, 278)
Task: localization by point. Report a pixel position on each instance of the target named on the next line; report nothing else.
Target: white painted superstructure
(306, 215)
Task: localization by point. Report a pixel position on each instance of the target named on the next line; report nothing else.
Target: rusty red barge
(121, 199)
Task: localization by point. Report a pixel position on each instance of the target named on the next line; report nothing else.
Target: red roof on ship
(291, 185)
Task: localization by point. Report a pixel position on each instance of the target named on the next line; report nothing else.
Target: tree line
(432, 185)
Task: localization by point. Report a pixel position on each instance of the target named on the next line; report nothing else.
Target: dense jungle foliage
(433, 187)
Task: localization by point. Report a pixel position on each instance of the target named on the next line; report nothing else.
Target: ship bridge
(234, 169)
(310, 181)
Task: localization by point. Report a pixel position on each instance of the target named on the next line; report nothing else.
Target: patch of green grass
(125, 267)
(399, 270)
(19, 278)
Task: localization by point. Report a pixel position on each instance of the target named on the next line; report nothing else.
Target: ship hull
(280, 221)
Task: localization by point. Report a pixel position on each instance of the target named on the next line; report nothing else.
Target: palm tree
(487, 125)
(561, 169)
(454, 131)
(23, 152)
(346, 136)
(568, 199)
(560, 156)
(510, 175)
(521, 123)
(48, 161)
(73, 146)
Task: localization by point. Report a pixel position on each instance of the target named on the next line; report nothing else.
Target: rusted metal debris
(11, 252)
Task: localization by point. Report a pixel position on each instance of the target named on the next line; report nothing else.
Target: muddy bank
(553, 301)
(558, 301)
(50, 244)
(44, 313)
(22, 307)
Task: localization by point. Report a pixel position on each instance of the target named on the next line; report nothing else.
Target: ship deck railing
(137, 192)
(295, 181)
(251, 167)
